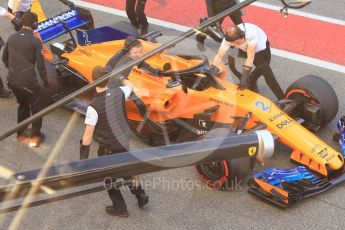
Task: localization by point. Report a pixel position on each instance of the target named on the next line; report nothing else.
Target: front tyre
(225, 175)
(319, 101)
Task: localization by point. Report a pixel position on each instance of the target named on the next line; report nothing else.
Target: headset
(34, 19)
(241, 34)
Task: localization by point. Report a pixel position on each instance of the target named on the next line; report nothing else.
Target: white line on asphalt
(277, 52)
(301, 13)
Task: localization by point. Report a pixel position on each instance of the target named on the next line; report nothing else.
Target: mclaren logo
(252, 151)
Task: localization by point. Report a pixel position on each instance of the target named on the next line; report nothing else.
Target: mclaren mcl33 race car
(185, 101)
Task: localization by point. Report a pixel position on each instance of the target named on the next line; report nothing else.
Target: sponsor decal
(252, 151)
(284, 123)
(201, 132)
(85, 52)
(275, 117)
(221, 102)
(320, 151)
(56, 20)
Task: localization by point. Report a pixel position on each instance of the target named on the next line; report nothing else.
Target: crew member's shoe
(111, 210)
(137, 27)
(5, 93)
(144, 30)
(24, 136)
(143, 199)
(37, 140)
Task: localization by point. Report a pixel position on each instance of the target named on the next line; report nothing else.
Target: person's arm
(250, 54)
(221, 53)
(88, 134)
(248, 65)
(155, 71)
(126, 82)
(15, 6)
(6, 14)
(41, 67)
(91, 119)
(126, 91)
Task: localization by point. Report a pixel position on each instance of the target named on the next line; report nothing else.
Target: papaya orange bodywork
(169, 103)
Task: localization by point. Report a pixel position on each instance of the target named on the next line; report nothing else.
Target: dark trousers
(262, 62)
(29, 100)
(114, 193)
(2, 43)
(1, 84)
(135, 10)
(235, 17)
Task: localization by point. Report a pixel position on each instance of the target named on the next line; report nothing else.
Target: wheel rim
(213, 171)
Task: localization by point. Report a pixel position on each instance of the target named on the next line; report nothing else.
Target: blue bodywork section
(278, 176)
(341, 127)
(99, 35)
(52, 27)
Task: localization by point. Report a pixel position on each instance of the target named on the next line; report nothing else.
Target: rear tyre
(316, 92)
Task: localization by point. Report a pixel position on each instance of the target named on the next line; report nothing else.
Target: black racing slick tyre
(224, 175)
(316, 93)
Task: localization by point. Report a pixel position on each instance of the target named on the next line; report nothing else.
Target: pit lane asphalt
(181, 206)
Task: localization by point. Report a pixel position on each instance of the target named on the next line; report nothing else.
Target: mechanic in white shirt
(18, 8)
(253, 40)
(106, 123)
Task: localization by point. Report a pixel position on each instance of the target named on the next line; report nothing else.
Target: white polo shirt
(91, 114)
(24, 5)
(253, 35)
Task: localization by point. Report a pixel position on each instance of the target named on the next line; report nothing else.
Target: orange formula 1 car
(186, 101)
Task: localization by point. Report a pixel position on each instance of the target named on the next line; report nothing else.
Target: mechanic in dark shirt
(106, 122)
(215, 7)
(135, 10)
(132, 50)
(253, 40)
(23, 51)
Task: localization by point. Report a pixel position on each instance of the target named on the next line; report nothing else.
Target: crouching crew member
(106, 122)
(23, 51)
(253, 40)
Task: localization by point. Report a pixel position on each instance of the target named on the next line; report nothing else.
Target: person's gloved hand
(84, 151)
(16, 20)
(156, 72)
(2, 11)
(244, 81)
(214, 70)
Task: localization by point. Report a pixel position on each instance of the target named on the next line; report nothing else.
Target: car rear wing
(110, 33)
(75, 18)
